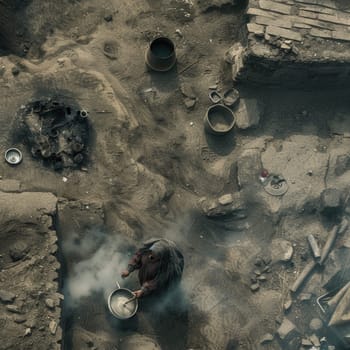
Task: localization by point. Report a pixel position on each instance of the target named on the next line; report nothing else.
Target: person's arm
(146, 288)
(134, 264)
(149, 286)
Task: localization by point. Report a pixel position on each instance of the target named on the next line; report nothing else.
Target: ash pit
(56, 133)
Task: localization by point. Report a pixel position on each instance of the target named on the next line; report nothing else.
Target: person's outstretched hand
(138, 293)
(125, 273)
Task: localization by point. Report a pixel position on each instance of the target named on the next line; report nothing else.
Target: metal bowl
(117, 306)
(13, 156)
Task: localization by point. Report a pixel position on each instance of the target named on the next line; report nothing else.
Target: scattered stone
(83, 39)
(295, 50)
(49, 303)
(314, 339)
(27, 332)
(330, 202)
(234, 56)
(305, 296)
(61, 61)
(286, 329)
(266, 269)
(261, 278)
(316, 324)
(187, 90)
(267, 261)
(286, 47)
(19, 250)
(7, 297)
(281, 250)
(306, 342)
(53, 327)
(31, 323)
(19, 319)
(190, 102)
(179, 33)
(13, 308)
(259, 262)
(257, 272)
(212, 207)
(287, 305)
(247, 113)
(226, 199)
(267, 338)
(108, 18)
(254, 287)
(15, 71)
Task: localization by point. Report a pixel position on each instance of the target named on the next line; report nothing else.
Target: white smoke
(100, 263)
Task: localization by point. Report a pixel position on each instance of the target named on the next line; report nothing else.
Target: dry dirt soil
(150, 167)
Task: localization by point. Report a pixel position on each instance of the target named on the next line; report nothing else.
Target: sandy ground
(151, 164)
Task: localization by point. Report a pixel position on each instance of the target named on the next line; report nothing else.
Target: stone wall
(30, 304)
(293, 42)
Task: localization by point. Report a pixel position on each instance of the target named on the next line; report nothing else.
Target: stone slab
(252, 11)
(308, 14)
(301, 26)
(321, 33)
(324, 3)
(318, 9)
(334, 19)
(247, 114)
(312, 22)
(286, 329)
(256, 29)
(341, 35)
(275, 7)
(281, 23)
(284, 33)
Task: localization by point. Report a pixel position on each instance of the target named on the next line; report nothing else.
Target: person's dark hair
(171, 262)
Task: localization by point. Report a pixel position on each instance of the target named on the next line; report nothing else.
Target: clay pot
(219, 120)
(160, 55)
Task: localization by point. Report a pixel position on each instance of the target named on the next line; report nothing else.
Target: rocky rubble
(29, 299)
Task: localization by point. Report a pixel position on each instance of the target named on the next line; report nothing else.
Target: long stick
(331, 239)
(130, 300)
(316, 252)
(302, 277)
(188, 67)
